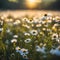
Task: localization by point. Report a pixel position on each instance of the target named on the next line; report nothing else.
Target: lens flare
(32, 3)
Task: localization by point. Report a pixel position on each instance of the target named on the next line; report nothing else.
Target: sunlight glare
(32, 3)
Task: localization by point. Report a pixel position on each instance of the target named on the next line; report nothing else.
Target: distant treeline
(5, 4)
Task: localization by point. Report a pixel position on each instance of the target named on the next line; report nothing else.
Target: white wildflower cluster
(23, 52)
(31, 36)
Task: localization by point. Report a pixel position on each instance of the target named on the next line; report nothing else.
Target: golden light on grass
(32, 3)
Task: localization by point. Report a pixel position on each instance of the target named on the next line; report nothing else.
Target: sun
(32, 3)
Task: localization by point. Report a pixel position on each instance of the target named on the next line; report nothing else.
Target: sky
(30, 4)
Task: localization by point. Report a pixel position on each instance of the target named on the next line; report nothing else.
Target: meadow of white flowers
(29, 38)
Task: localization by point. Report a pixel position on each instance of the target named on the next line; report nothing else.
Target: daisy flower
(25, 57)
(29, 21)
(54, 36)
(25, 51)
(25, 25)
(33, 32)
(18, 21)
(25, 19)
(13, 40)
(18, 48)
(27, 40)
(26, 34)
(43, 29)
(38, 25)
(15, 36)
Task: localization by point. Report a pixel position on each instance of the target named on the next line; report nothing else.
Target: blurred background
(30, 4)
